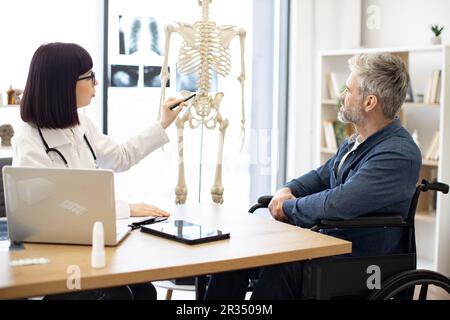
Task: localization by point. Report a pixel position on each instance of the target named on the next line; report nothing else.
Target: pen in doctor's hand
(138, 224)
(184, 100)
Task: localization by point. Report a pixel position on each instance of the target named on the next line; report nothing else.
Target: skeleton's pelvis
(203, 109)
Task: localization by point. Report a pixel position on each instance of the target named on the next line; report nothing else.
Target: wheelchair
(346, 277)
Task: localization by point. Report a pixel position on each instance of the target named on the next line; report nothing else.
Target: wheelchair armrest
(263, 202)
(435, 186)
(362, 222)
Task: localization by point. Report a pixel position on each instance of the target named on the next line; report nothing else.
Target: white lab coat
(29, 150)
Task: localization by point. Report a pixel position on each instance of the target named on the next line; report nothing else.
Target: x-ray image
(124, 76)
(152, 77)
(140, 35)
(189, 82)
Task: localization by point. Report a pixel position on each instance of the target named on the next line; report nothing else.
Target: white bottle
(98, 259)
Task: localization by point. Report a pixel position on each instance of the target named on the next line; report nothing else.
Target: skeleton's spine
(204, 39)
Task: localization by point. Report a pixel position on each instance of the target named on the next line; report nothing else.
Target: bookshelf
(428, 119)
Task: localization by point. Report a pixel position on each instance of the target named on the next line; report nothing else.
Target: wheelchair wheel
(402, 286)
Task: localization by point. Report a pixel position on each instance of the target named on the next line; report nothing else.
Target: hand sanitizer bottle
(98, 259)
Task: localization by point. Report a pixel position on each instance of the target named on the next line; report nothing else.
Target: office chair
(3, 162)
(172, 285)
(184, 284)
(345, 277)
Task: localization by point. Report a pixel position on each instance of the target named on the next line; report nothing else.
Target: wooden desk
(255, 241)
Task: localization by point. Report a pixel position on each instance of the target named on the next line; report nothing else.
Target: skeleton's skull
(200, 2)
(6, 133)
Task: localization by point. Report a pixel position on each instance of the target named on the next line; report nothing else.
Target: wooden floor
(434, 293)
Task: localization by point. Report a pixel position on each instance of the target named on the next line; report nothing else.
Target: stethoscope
(48, 149)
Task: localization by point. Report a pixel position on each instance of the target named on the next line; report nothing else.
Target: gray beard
(348, 117)
(342, 118)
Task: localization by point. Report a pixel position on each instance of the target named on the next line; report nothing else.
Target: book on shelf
(336, 83)
(330, 137)
(437, 151)
(438, 93)
(432, 94)
(427, 95)
(433, 149)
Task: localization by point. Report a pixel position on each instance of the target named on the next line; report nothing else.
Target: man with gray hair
(375, 171)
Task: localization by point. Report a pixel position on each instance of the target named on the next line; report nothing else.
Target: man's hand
(143, 210)
(276, 205)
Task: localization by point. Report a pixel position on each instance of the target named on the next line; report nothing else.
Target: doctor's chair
(346, 277)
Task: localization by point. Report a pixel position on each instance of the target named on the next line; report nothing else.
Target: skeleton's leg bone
(217, 189)
(181, 188)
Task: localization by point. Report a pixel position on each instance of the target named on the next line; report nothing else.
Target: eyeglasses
(91, 76)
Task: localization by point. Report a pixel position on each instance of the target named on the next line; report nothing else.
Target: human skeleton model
(205, 50)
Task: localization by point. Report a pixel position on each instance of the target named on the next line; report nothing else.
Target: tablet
(184, 231)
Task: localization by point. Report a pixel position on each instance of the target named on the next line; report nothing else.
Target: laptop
(48, 205)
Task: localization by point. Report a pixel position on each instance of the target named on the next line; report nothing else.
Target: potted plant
(437, 34)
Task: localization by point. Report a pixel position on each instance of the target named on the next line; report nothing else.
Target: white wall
(315, 25)
(405, 22)
(337, 24)
(25, 25)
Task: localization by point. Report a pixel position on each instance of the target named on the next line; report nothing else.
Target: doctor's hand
(143, 210)
(168, 116)
(276, 205)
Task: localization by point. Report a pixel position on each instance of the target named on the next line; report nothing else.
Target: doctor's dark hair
(49, 99)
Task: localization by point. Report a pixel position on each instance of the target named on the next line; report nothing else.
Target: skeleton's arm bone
(242, 35)
(165, 75)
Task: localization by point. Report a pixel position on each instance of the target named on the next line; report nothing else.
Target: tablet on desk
(184, 231)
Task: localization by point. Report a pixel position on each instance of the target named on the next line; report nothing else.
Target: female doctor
(55, 135)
